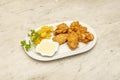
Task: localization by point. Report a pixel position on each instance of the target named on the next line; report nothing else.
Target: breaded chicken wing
(81, 36)
(60, 38)
(72, 40)
(72, 35)
(75, 26)
(82, 29)
(85, 37)
(61, 28)
(89, 36)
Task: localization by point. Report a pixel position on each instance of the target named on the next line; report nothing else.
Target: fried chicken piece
(85, 37)
(89, 36)
(82, 29)
(75, 26)
(70, 30)
(81, 36)
(72, 40)
(61, 28)
(60, 38)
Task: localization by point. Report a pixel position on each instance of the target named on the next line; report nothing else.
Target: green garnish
(36, 36)
(27, 46)
(33, 34)
(24, 44)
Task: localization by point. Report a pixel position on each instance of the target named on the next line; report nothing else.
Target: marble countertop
(17, 17)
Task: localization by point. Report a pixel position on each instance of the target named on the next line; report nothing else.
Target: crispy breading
(61, 28)
(89, 36)
(83, 34)
(82, 29)
(72, 40)
(72, 35)
(60, 38)
(75, 26)
(85, 37)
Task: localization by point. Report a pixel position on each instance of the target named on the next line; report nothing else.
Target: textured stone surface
(19, 16)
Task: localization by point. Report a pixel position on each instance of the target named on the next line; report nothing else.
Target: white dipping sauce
(47, 47)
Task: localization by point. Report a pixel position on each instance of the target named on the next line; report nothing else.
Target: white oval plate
(64, 50)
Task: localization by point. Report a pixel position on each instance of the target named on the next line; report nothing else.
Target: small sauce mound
(47, 47)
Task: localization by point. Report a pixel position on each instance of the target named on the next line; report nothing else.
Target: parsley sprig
(25, 45)
(34, 34)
